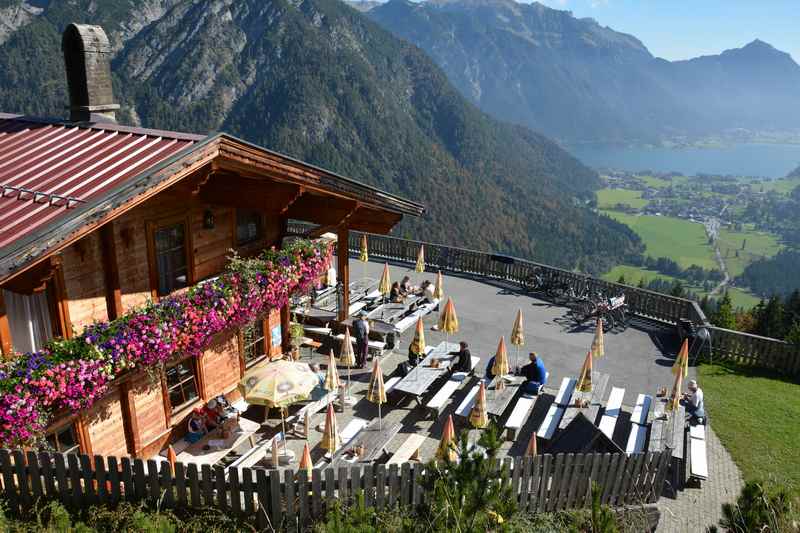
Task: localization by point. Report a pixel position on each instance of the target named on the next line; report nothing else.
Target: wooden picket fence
(276, 499)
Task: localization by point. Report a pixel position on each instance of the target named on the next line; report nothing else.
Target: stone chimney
(87, 55)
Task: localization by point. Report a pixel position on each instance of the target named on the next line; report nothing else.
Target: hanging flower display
(71, 374)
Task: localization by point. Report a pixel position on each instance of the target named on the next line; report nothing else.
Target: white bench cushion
(442, 395)
(641, 410)
(317, 330)
(636, 439)
(565, 391)
(466, 404)
(407, 449)
(391, 382)
(611, 414)
(378, 345)
(351, 429)
(550, 422)
(697, 432)
(698, 458)
(520, 412)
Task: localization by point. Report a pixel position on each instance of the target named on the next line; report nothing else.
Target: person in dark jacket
(395, 294)
(534, 373)
(361, 333)
(464, 358)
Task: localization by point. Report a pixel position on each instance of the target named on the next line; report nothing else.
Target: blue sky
(681, 29)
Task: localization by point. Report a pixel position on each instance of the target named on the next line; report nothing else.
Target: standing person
(361, 332)
(695, 404)
(535, 374)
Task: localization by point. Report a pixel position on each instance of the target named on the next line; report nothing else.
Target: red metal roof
(48, 168)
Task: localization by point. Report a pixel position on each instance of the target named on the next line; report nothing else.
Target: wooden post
(5, 329)
(343, 274)
(275, 457)
(307, 424)
(111, 270)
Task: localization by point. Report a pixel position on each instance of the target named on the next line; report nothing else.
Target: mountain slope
(317, 80)
(576, 80)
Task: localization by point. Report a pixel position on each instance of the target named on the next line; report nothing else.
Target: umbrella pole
(380, 420)
(283, 427)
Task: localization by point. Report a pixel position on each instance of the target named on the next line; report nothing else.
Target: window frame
(193, 365)
(261, 230)
(152, 228)
(75, 425)
(244, 364)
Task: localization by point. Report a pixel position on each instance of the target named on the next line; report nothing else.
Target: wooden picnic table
(422, 376)
(392, 312)
(595, 401)
(358, 289)
(244, 429)
(374, 438)
(498, 400)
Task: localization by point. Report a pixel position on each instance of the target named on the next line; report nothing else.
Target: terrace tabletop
(194, 453)
(374, 438)
(498, 400)
(391, 312)
(422, 376)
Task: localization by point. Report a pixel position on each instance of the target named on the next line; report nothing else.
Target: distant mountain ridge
(578, 81)
(317, 80)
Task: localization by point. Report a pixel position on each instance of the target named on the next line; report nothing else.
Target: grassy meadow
(610, 198)
(756, 245)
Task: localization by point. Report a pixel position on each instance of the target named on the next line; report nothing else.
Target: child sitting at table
(196, 427)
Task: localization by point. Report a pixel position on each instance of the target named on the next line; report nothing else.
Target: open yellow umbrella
(585, 380)
(478, 416)
(331, 376)
(531, 450)
(438, 288)
(348, 358)
(517, 335)
(418, 343)
(675, 399)
(598, 343)
(376, 393)
(682, 361)
(364, 256)
(500, 367)
(331, 440)
(420, 266)
(447, 446)
(305, 461)
(385, 285)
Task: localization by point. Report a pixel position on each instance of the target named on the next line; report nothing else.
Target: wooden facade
(226, 196)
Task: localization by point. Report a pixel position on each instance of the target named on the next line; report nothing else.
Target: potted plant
(296, 335)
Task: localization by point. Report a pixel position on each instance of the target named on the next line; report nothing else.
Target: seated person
(319, 391)
(196, 426)
(464, 362)
(695, 406)
(395, 294)
(413, 356)
(535, 374)
(490, 369)
(426, 290)
(213, 413)
(405, 286)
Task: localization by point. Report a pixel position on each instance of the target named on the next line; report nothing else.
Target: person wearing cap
(694, 403)
(535, 374)
(361, 333)
(213, 414)
(196, 427)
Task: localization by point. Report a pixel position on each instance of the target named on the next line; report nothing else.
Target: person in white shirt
(695, 405)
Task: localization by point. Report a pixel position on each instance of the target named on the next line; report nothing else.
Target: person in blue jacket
(534, 373)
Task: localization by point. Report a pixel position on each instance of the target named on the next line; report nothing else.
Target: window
(64, 440)
(249, 226)
(253, 342)
(171, 263)
(28, 320)
(181, 383)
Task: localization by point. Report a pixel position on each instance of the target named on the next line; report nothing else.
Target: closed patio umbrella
(376, 393)
(500, 367)
(305, 461)
(682, 361)
(420, 266)
(438, 289)
(331, 440)
(348, 358)
(418, 342)
(172, 458)
(675, 398)
(517, 336)
(478, 416)
(385, 284)
(598, 343)
(331, 376)
(447, 446)
(448, 321)
(531, 450)
(364, 255)
(585, 380)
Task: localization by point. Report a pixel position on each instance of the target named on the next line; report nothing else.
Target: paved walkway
(697, 508)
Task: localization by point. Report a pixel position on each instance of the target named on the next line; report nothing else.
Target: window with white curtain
(28, 320)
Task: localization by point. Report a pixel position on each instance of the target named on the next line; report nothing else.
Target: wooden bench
(297, 420)
(613, 407)
(251, 457)
(391, 382)
(408, 450)
(698, 459)
(442, 395)
(466, 404)
(590, 412)
(637, 438)
(518, 415)
(423, 310)
(373, 346)
(556, 410)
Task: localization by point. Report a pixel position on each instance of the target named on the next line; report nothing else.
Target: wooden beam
(129, 422)
(111, 271)
(322, 210)
(64, 325)
(343, 274)
(232, 190)
(5, 329)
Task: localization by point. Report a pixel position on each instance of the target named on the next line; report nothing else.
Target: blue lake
(761, 160)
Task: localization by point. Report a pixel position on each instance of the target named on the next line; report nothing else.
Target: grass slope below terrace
(682, 241)
(755, 414)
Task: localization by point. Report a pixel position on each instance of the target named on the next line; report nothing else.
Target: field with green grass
(609, 198)
(682, 241)
(755, 414)
(757, 244)
(743, 298)
(782, 186)
(634, 274)
(660, 183)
